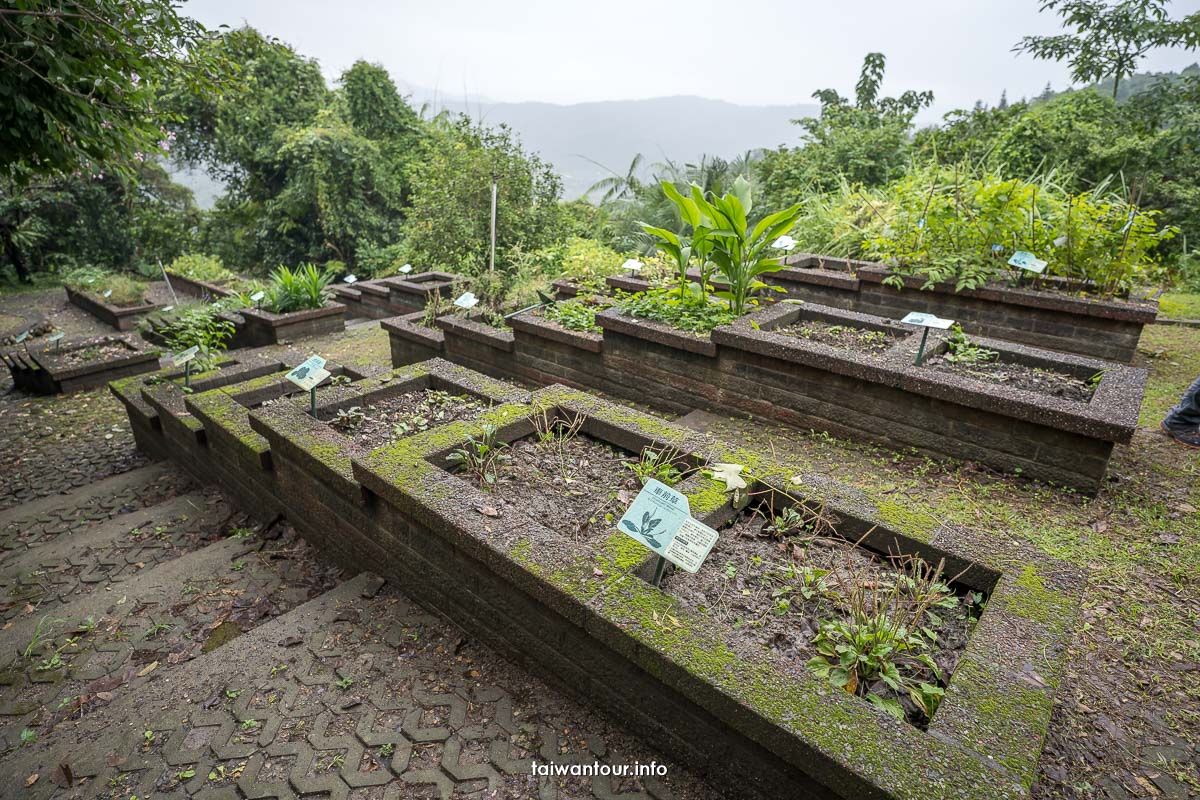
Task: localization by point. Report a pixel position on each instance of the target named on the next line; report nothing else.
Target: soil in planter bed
(772, 592)
(1019, 376)
(860, 340)
(91, 354)
(403, 415)
(574, 485)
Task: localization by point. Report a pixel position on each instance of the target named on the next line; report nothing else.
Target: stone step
(34, 523)
(357, 693)
(60, 665)
(38, 579)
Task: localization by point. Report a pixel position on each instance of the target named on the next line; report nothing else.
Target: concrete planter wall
(197, 288)
(44, 368)
(123, 318)
(584, 617)
(412, 292)
(478, 345)
(881, 398)
(258, 328)
(410, 341)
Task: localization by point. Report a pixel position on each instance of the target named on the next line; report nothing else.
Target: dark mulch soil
(774, 591)
(90, 355)
(384, 421)
(860, 340)
(575, 486)
(1019, 376)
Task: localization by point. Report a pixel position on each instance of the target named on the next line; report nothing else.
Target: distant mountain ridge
(612, 132)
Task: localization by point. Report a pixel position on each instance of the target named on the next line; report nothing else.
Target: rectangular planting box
(259, 328)
(68, 366)
(144, 418)
(546, 352)
(523, 567)
(197, 288)
(123, 318)
(470, 341)
(412, 292)
(411, 340)
(520, 563)
(1107, 329)
(310, 457)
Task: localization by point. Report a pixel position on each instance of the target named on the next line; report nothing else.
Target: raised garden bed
(522, 568)
(257, 327)
(197, 288)
(1040, 413)
(123, 318)
(411, 340)
(412, 292)
(144, 418)
(68, 366)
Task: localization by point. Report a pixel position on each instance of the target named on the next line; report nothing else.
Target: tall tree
(1108, 40)
(78, 82)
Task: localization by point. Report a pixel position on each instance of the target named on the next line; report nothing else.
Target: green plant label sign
(661, 519)
(22, 336)
(184, 356)
(350, 279)
(1023, 259)
(55, 337)
(308, 374)
(927, 320)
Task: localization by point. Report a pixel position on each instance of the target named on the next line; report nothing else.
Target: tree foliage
(79, 77)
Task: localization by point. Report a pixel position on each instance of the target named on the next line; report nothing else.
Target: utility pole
(492, 255)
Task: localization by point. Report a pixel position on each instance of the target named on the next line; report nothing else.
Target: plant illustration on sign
(646, 528)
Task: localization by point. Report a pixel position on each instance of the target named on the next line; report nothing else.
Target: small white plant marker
(108, 292)
(56, 338)
(466, 300)
(632, 266)
(349, 279)
(184, 358)
(784, 242)
(165, 309)
(407, 268)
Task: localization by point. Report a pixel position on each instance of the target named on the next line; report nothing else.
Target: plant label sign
(1023, 259)
(927, 320)
(55, 337)
(632, 266)
(466, 300)
(22, 336)
(350, 279)
(407, 268)
(661, 519)
(308, 374)
(184, 356)
(257, 296)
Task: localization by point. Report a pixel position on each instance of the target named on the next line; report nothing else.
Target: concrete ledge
(43, 368)
(123, 318)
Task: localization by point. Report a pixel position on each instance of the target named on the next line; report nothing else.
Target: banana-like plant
(731, 254)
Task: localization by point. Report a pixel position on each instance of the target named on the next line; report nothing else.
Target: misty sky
(771, 51)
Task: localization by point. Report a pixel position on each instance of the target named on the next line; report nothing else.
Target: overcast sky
(747, 51)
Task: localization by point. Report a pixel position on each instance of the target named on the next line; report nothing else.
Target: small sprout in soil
(348, 418)
(67, 701)
(1094, 382)
(148, 736)
(238, 532)
(88, 625)
(232, 694)
(658, 465)
(186, 775)
(345, 683)
(238, 566)
(278, 668)
(964, 351)
(482, 458)
(157, 628)
(28, 736)
(340, 380)
(387, 750)
(249, 724)
(550, 428)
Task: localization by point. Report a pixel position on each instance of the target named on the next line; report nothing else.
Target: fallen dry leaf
(488, 511)
(146, 670)
(31, 780)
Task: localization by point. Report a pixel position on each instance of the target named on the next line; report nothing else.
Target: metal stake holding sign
(167, 281)
(257, 298)
(661, 519)
(184, 358)
(56, 338)
(926, 321)
(546, 300)
(308, 375)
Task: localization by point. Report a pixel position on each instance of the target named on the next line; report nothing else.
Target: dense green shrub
(303, 288)
(200, 267)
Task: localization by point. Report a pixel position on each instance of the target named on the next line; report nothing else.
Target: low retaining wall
(123, 318)
(881, 398)
(411, 341)
(412, 292)
(583, 616)
(195, 288)
(44, 368)
(259, 328)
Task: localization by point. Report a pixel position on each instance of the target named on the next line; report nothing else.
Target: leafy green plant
(682, 313)
(303, 288)
(348, 418)
(659, 465)
(114, 288)
(201, 267)
(961, 350)
(481, 457)
(573, 314)
(198, 325)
